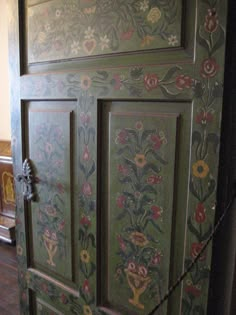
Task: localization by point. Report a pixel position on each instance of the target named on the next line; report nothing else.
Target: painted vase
(51, 247)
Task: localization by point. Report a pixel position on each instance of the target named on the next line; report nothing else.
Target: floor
(8, 280)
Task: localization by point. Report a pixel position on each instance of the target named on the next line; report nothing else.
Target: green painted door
(116, 108)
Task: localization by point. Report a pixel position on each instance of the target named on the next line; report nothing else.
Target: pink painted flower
(142, 271)
(48, 148)
(86, 154)
(209, 68)
(54, 236)
(85, 118)
(200, 215)
(132, 266)
(60, 188)
(122, 169)
(87, 189)
(127, 35)
(122, 137)
(211, 21)
(183, 81)
(139, 125)
(86, 286)
(64, 299)
(121, 243)
(156, 259)
(151, 81)
(156, 140)
(156, 212)
(120, 201)
(47, 233)
(154, 179)
(116, 82)
(61, 225)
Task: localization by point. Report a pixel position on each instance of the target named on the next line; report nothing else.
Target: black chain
(172, 288)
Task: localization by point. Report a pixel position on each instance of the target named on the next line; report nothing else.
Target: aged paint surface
(99, 27)
(205, 85)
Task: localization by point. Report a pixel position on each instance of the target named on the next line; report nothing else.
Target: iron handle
(27, 179)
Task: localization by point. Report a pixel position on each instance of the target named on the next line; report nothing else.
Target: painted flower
(87, 189)
(156, 259)
(144, 5)
(122, 137)
(156, 212)
(85, 221)
(156, 140)
(138, 239)
(140, 160)
(75, 47)
(193, 290)
(54, 236)
(121, 243)
(183, 81)
(85, 118)
(139, 125)
(87, 310)
(48, 148)
(86, 154)
(211, 21)
(120, 201)
(195, 250)
(142, 271)
(200, 169)
(19, 250)
(44, 287)
(60, 188)
(131, 266)
(127, 35)
(58, 13)
(64, 299)
(154, 15)
(154, 179)
(90, 10)
(116, 82)
(172, 40)
(209, 68)
(58, 44)
(86, 286)
(204, 117)
(89, 33)
(122, 169)
(47, 27)
(151, 81)
(50, 210)
(61, 225)
(84, 256)
(47, 233)
(118, 273)
(200, 215)
(104, 42)
(89, 45)
(146, 41)
(85, 82)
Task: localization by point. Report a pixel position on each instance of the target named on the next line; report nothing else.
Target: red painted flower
(87, 189)
(204, 117)
(151, 81)
(183, 81)
(156, 140)
(139, 125)
(154, 179)
(127, 35)
(85, 118)
(122, 137)
(86, 286)
(61, 225)
(200, 215)
(211, 21)
(64, 298)
(193, 290)
(85, 221)
(86, 154)
(156, 259)
(156, 212)
(120, 201)
(122, 169)
(209, 68)
(60, 188)
(195, 250)
(121, 243)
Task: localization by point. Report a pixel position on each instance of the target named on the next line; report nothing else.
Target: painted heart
(89, 45)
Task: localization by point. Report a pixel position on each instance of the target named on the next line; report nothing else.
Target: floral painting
(91, 27)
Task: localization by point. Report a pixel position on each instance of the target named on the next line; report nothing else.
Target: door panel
(120, 122)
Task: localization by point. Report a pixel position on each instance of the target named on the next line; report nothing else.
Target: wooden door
(116, 109)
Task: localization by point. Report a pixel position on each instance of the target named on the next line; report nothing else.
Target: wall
(5, 132)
